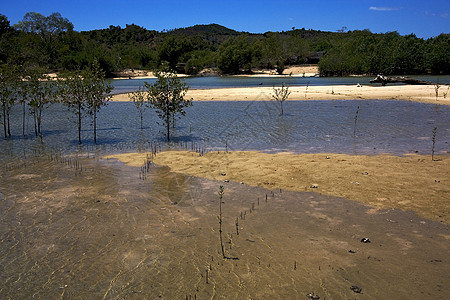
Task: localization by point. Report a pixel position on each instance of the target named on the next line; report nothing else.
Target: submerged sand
(412, 182)
(112, 231)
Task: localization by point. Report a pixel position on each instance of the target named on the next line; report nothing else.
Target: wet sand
(417, 93)
(112, 231)
(411, 182)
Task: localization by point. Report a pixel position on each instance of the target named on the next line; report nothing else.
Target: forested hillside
(51, 43)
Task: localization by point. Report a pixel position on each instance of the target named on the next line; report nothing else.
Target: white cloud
(378, 8)
(442, 14)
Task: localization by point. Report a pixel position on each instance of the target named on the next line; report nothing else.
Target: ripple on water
(396, 127)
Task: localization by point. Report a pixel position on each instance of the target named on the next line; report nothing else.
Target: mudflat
(409, 182)
(112, 231)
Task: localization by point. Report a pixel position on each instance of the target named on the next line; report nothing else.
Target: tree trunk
(35, 121)
(79, 124)
(168, 127)
(9, 128)
(4, 120)
(23, 118)
(95, 127)
(402, 79)
(39, 121)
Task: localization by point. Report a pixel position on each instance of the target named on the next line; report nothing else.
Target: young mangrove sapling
(220, 219)
(281, 94)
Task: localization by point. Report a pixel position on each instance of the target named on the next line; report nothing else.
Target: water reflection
(308, 126)
(129, 85)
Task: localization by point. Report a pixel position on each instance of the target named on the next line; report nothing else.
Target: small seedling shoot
(356, 120)
(434, 142)
(221, 192)
(437, 86)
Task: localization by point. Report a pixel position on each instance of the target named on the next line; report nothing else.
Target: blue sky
(423, 18)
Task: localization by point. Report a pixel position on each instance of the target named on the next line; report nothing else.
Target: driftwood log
(402, 79)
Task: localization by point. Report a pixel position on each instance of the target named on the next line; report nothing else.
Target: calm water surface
(130, 85)
(396, 127)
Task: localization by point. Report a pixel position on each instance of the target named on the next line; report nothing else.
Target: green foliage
(139, 97)
(50, 42)
(166, 96)
(98, 92)
(389, 54)
(235, 55)
(199, 60)
(281, 95)
(9, 84)
(48, 29)
(72, 91)
(39, 92)
(278, 50)
(172, 49)
(84, 91)
(438, 54)
(5, 26)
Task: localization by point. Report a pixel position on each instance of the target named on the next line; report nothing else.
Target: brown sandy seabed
(410, 182)
(308, 227)
(112, 231)
(384, 183)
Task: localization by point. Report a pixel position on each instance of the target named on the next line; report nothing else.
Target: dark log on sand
(402, 79)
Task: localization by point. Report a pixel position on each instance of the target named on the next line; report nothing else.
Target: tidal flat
(98, 229)
(78, 225)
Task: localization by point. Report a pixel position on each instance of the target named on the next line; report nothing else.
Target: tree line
(84, 92)
(51, 43)
(165, 96)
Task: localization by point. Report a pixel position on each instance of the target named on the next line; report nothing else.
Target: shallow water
(130, 85)
(101, 232)
(396, 127)
(76, 226)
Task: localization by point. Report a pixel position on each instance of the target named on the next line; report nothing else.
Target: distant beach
(417, 93)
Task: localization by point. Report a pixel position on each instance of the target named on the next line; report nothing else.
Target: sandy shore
(418, 93)
(412, 182)
(300, 70)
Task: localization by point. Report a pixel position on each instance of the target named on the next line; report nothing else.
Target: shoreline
(375, 180)
(416, 93)
(295, 70)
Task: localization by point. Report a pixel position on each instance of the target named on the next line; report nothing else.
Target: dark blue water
(130, 85)
(396, 127)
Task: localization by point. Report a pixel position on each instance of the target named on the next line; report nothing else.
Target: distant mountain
(215, 34)
(205, 30)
